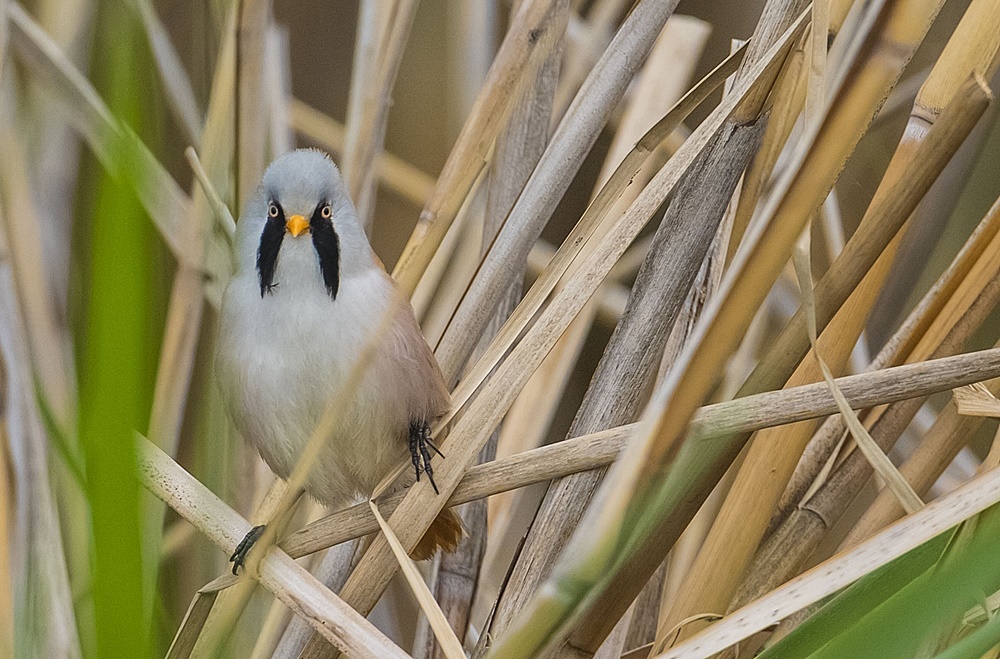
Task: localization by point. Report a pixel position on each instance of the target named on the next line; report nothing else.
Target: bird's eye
(272, 210)
(326, 212)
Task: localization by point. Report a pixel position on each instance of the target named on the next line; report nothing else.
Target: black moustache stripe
(327, 247)
(267, 252)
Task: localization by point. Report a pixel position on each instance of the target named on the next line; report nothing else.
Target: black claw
(419, 440)
(239, 557)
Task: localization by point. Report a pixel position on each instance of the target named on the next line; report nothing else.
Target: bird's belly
(279, 393)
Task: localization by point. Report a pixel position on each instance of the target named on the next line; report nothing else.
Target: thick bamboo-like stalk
(530, 39)
(570, 144)
(766, 470)
(843, 569)
(290, 582)
(972, 47)
(640, 491)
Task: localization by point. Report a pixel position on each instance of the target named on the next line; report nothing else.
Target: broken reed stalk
(299, 590)
(644, 494)
(764, 474)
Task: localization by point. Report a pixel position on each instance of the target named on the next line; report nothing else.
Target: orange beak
(297, 225)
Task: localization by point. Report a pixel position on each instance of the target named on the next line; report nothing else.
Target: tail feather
(445, 532)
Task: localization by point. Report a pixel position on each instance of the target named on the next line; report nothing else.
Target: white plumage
(286, 346)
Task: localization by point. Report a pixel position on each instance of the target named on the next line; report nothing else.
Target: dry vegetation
(657, 300)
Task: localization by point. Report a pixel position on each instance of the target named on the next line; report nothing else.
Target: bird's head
(302, 217)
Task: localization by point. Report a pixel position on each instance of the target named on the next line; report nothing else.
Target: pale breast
(283, 358)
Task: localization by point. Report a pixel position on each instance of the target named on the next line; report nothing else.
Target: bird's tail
(445, 532)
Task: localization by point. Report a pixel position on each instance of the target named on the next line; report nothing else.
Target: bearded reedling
(307, 295)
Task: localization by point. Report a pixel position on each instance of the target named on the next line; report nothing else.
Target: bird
(307, 294)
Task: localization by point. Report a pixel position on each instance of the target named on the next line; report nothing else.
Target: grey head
(301, 210)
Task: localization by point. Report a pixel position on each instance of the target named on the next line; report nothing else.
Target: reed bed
(718, 315)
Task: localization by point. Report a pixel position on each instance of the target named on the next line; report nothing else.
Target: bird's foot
(420, 440)
(239, 557)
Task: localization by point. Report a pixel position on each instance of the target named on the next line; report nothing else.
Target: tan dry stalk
(383, 31)
(565, 153)
(530, 39)
(640, 473)
(420, 506)
(290, 582)
(766, 471)
(845, 568)
(600, 449)
(253, 17)
(184, 314)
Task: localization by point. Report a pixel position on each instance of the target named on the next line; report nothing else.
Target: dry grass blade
(844, 569)
(449, 643)
(976, 400)
(879, 460)
(337, 622)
